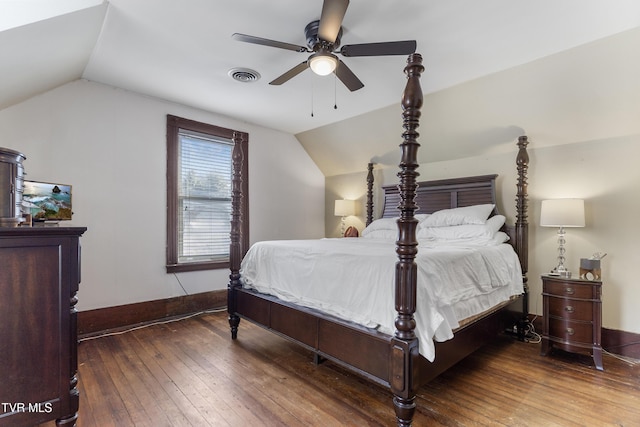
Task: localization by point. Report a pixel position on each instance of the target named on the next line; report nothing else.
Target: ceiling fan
(323, 39)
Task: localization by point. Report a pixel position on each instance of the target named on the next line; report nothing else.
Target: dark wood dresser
(39, 278)
(572, 316)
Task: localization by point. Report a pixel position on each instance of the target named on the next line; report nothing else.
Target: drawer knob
(570, 331)
(570, 291)
(569, 309)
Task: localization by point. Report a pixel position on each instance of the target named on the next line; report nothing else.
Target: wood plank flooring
(190, 373)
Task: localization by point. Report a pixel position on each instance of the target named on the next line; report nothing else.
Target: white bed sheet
(354, 279)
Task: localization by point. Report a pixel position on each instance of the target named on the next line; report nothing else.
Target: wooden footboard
(365, 350)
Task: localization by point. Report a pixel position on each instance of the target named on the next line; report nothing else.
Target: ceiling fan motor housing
(315, 43)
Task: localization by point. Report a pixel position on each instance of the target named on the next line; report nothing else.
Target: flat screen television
(46, 201)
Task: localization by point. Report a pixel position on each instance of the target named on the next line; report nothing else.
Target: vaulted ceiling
(182, 51)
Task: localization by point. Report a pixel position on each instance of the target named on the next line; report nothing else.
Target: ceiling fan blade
(290, 74)
(347, 77)
(333, 12)
(379, 49)
(266, 42)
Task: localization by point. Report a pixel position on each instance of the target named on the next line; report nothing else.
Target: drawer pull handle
(570, 331)
(569, 309)
(570, 291)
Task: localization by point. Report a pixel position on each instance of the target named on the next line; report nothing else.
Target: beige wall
(580, 109)
(604, 173)
(110, 145)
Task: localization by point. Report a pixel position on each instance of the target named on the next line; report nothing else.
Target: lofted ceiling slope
(182, 51)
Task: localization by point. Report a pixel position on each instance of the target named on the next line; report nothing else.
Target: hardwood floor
(190, 373)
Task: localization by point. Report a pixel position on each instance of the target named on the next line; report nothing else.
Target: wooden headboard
(458, 192)
(432, 196)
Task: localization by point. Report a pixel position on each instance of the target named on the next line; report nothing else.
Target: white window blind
(204, 197)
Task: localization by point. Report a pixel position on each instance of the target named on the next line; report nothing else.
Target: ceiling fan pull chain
(311, 80)
(335, 91)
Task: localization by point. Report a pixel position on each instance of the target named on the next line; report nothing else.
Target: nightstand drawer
(571, 331)
(570, 309)
(569, 290)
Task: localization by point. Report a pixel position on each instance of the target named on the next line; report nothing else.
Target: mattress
(354, 279)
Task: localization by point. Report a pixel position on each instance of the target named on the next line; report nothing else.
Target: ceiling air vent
(244, 75)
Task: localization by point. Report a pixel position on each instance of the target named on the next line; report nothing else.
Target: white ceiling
(182, 50)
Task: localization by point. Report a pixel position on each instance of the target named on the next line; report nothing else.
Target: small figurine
(351, 231)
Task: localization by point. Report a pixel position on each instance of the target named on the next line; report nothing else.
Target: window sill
(197, 266)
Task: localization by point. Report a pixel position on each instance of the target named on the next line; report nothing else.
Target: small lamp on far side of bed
(344, 208)
(562, 213)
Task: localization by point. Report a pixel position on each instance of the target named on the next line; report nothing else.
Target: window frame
(174, 124)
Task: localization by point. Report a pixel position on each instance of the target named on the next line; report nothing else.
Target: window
(199, 174)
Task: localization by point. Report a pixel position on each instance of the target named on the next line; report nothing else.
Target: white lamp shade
(323, 64)
(562, 213)
(345, 207)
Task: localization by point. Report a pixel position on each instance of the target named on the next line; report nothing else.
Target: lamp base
(560, 273)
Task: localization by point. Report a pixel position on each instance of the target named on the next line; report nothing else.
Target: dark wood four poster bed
(392, 359)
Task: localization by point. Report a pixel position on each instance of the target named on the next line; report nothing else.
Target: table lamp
(562, 213)
(344, 208)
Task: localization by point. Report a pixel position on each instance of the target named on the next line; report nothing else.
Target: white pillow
(388, 224)
(421, 217)
(381, 224)
(380, 234)
(476, 214)
(465, 231)
(499, 238)
(495, 223)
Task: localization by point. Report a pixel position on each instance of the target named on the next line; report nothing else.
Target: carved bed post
(522, 227)
(369, 193)
(404, 353)
(235, 248)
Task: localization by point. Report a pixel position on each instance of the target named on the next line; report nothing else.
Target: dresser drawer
(568, 290)
(571, 309)
(571, 331)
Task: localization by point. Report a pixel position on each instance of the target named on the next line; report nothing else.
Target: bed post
(404, 353)
(369, 193)
(522, 228)
(235, 248)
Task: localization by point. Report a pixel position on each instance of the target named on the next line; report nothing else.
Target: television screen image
(46, 201)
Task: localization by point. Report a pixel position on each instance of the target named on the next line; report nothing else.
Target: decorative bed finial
(412, 96)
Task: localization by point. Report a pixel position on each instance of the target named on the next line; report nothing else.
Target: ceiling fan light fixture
(323, 63)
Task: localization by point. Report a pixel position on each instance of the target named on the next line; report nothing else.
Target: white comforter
(353, 278)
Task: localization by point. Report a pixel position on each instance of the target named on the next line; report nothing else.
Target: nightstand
(572, 316)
